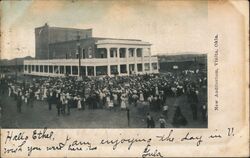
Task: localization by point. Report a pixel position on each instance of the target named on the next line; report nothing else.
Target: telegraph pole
(79, 55)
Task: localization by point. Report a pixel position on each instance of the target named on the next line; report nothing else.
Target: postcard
(124, 78)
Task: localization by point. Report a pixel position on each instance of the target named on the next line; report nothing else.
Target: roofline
(69, 28)
(97, 38)
(63, 28)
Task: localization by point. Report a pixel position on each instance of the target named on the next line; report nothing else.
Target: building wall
(42, 42)
(46, 35)
(69, 49)
(67, 34)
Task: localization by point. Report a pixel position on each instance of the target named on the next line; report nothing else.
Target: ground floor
(87, 67)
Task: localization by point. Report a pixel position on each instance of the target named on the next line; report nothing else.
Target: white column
(94, 70)
(86, 71)
(70, 69)
(135, 57)
(118, 61)
(150, 62)
(142, 54)
(127, 56)
(108, 58)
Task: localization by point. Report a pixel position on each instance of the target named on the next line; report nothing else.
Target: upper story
(46, 35)
(69, 43)
(95, 47)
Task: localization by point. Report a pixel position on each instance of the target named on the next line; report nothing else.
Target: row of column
(51, 69)
(127, 59)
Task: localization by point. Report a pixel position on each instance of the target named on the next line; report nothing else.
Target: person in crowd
(141, 98)
(79, 104)
(193, 102)
(115, 100)
(165, 111)
(123, 104)
(64, 102)
(150, 121)
(111, 104)
(58, 105)
(83, 103)
(179, 119)
(107, 100)
(204, 112)
(19, 103)
(162, 122)
(120, 91)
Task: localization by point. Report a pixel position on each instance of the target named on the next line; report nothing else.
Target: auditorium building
(74, 52)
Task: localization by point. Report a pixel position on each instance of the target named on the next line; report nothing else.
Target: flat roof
(99, 38)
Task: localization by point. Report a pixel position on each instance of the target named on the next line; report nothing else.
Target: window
(123, 68)
(50, 69)
(114, 69)
(131, 68)
(146, 67)
(74, 70)
(139, 52)
(29, 67)
(37, 67)
(139, 67)
(101, 70)
(33, 68)
(90, 70)
(122, 52)
(45, 68)
(25, 67)
(113, 52)
(61, 69)
(131, 52)
(68, 70)
(83, 71)
(56, 70)
(154, 66)
(41, 68)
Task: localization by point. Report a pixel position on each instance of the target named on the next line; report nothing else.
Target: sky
(170, 26)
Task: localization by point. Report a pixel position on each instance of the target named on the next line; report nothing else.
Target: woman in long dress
(79, 104)
(26, 97)
(111, 104)
(141, 97)
(123, 104)
(107, 100)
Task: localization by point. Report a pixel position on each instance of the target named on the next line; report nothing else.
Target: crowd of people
(115, 93)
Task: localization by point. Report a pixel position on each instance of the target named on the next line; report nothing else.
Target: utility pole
(79, 55)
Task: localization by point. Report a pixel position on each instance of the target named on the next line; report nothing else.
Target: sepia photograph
(76, 79)
(142, 78)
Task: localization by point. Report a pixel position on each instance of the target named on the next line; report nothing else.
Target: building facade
(93, 56)
(46, 35)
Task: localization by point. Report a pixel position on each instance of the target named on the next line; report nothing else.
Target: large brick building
(46, 35)
(74, 52)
